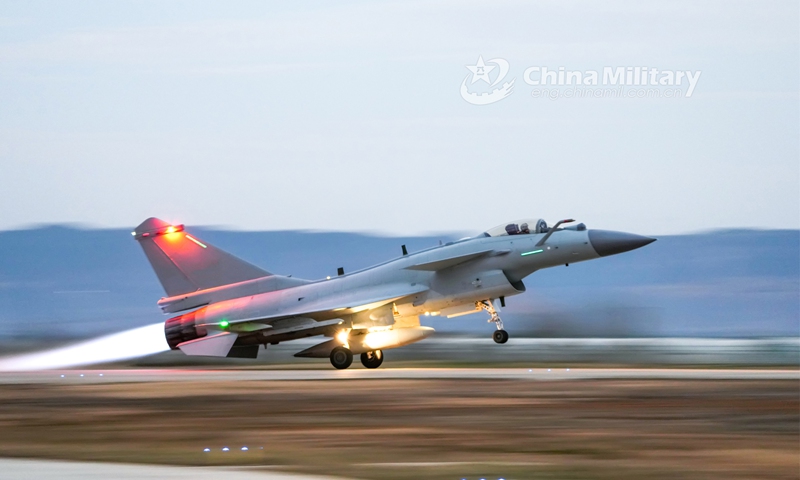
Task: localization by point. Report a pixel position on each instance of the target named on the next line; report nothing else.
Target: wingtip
(150, 225)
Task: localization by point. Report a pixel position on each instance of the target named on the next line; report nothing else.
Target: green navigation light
(532, 252)
(224, 324)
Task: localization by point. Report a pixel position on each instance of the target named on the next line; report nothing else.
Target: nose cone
(606, 242)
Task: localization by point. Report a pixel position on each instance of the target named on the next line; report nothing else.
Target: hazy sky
(349, 116)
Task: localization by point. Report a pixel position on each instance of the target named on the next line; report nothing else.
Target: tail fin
(185, 264)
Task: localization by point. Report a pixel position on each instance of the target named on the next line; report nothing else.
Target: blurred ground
(439, 351)
(441, 428)
(209, 375)
(16, 469)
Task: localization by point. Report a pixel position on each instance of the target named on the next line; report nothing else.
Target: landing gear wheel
(372, 359)
(341, 358)
(500, 336)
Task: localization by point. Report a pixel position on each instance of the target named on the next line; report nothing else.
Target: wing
(345, 303)
(314, 318)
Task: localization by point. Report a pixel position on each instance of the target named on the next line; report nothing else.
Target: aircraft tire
(372, 359)
(500, 336)
(341, 358)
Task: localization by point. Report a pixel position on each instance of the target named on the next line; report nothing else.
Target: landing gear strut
(341, 357)
(500, 336)
(372, 359)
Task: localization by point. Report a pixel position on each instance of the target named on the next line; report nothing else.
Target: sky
(352, 116)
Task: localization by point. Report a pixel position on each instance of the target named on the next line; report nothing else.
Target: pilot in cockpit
(514, 229)
(529, 226)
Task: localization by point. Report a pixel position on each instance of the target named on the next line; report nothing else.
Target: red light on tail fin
(186, 264)
(171, 229)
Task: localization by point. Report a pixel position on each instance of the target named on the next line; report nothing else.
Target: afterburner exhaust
(134, 343)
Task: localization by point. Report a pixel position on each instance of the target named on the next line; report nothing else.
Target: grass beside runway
(411, 429)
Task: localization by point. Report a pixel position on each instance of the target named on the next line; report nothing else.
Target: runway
(23, 469)
(94, 376)
(401, 423)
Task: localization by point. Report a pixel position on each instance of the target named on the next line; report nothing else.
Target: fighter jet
(234, 307)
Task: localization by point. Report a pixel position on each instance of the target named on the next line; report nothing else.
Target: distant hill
(59, 281)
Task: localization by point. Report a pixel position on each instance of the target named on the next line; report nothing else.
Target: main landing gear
(372, 359)
(342, 357)
(500, 336)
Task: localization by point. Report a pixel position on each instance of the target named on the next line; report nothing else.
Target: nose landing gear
(500, 336)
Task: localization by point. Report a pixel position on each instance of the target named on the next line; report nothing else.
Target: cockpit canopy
(518, 227)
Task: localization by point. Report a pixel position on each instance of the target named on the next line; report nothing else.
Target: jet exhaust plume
(137, 342)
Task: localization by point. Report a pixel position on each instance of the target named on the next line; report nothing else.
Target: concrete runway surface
(19, 469)
(533, 374)
(594, 423)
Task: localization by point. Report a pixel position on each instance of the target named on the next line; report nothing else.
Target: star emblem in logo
(480, 71)
(497, 89)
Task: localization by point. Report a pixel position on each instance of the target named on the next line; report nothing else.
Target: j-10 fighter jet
(234, 307)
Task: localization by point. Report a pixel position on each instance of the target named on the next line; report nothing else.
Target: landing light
(342, 336)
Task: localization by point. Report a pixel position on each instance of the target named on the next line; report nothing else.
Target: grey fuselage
(433, 280)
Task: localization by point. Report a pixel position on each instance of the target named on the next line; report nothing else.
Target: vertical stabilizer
(184, 263)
